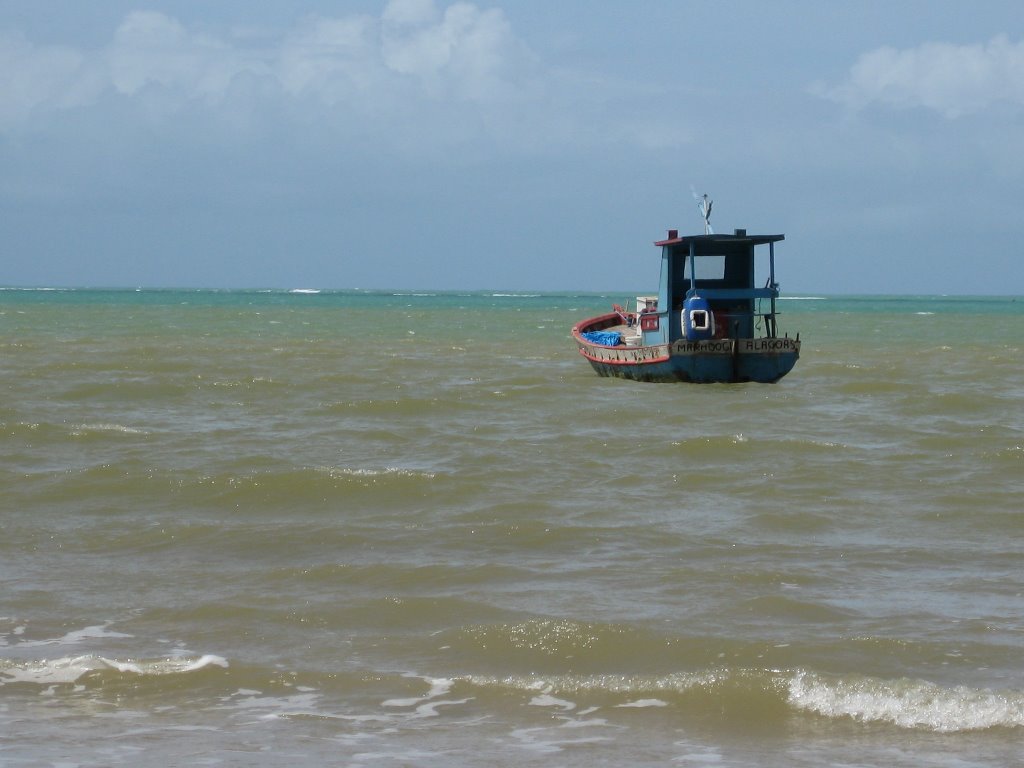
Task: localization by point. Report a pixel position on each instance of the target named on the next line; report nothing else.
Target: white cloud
(34, 78)
(420, 78)
(953, 80)
(471, 53)
(463, 52)
(150, 48)
(330, 59)
(411, 12)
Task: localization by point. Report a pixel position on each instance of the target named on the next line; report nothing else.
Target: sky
(510, 145)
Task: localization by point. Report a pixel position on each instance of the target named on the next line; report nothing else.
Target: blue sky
(521, 145)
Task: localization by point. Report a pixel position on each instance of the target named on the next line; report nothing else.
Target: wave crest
(907, 703)
(71, 669)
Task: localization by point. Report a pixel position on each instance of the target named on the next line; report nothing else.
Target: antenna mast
(704, 204)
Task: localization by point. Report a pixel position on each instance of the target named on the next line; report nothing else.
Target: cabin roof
(739, 236)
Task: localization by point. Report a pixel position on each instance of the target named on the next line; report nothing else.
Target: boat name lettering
(721, 346)
(768, 345)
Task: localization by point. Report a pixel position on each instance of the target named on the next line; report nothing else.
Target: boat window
(708, 268)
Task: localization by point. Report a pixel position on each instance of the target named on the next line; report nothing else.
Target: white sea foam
(547, 700)
(552, 739)
(907, 703)
(619, 684)
(269, 707)
(76, 637)
(69, 669)
(427, 704)
(643, 704)
(83, 428)
(372, 473)
(439, 686)
(15, 631)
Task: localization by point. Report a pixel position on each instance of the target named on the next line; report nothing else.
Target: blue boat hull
(703, 369)
(762, 360)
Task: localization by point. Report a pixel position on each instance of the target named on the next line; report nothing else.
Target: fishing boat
(710, 322)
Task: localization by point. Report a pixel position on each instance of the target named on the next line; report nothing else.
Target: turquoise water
(361, 528)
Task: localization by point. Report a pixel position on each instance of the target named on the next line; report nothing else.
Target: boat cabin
(709, 289)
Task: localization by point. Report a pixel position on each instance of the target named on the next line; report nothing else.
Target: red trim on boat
(646, 361)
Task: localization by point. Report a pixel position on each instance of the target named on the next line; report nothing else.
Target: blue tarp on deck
(605, 338)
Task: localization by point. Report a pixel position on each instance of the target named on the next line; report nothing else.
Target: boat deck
(630, 333)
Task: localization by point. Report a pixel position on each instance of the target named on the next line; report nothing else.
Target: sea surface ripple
(374, 529)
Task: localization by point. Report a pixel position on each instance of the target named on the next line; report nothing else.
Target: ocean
(358, 528)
